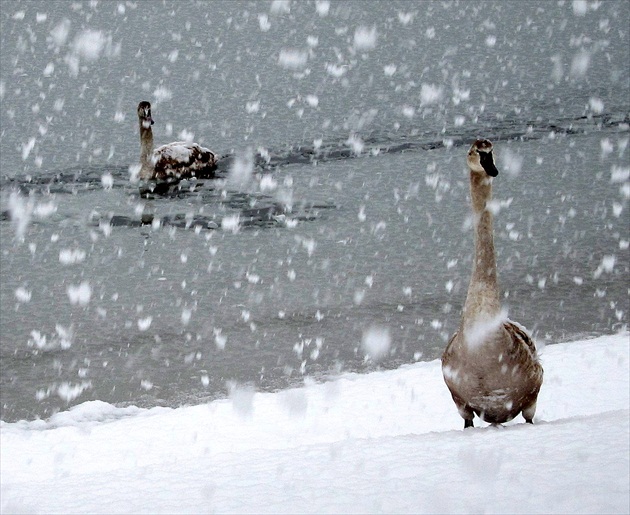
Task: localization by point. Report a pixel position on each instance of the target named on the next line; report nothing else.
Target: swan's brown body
(178, 160)
(490, 365)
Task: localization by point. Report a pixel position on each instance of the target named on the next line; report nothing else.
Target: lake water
(352, 216)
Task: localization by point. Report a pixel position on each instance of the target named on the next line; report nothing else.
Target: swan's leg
(467, 414)
(529, 412)
(465, 411)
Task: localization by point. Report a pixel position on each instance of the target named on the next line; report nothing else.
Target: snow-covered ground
(386, 442)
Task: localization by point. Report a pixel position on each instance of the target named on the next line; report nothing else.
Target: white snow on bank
(385, 442)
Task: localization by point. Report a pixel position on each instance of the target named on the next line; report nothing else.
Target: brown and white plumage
(490, 365)
(178, 159)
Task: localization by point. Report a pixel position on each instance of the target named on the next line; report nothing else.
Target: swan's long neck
(146, 145)
(482, 301)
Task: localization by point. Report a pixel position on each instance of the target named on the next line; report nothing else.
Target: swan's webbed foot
(468, 422)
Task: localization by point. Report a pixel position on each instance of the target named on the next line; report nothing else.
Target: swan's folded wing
(183, 158)
(518, 333)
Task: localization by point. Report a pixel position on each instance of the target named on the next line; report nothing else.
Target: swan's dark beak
(487, 162)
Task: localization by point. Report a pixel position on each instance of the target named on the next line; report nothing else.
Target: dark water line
(88, 177)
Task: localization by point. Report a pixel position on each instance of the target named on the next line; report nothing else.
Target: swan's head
(480, 158)
(144, 114)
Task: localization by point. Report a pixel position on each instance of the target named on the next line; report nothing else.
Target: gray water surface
(357, 117)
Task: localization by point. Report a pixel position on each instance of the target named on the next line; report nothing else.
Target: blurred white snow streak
(231, 223)
(580, 64)
(59, 35)
(280, 6)
(186, 316)
(312, 100)
(580, 7)
(511, 162)
(186, 136)
(68, 391)
(63, 339)
(596, 105)
(389, 70)
(365, 38)
(70, 256)
(263, 22)
(607, 265)
(107, 180)
(376, 342)
(22, 294)
(27, 147)
(241, 170)
(292, 58)
(80, 294)
(322, 7)
(619, 174)
(242, 398)
(134, 173)
(405, 18)
(144, 323)
(162, 94)
(44, 209)
(219, 339)
(21, 210)
(88, 45)
(146, 385)
(355, 143)
(268, 183)
(476, 334)
(336, 70)
(252, 106)
(430, 94)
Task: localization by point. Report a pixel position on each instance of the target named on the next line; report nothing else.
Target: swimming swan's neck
(146, 145)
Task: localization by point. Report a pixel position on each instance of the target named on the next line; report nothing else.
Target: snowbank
(386, 442)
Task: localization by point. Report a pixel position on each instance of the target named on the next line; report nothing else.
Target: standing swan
(179, 159)
(490, 365)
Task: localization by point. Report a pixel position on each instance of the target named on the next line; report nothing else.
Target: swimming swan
(179, 159)
(490, 365)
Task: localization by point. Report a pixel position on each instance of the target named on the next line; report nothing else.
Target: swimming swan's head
(144, 114)
(480, 158)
